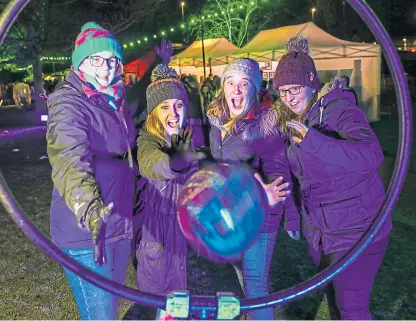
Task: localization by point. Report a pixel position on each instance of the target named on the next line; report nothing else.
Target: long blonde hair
(154, 126)
(284, 114)
(219, 108)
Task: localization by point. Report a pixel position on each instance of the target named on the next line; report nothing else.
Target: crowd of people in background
(22, 94)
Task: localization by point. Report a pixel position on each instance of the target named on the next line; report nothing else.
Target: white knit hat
(247, 66)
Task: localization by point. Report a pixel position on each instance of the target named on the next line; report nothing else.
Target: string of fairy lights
(163, 33)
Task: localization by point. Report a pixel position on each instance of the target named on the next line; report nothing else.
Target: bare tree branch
(63, 3)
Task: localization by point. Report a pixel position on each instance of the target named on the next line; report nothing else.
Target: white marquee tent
(215, 50)
(361, 62)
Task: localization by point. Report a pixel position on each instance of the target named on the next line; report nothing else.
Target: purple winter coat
(337, 167)
(259, 142)
(87, 141)
(163, 248)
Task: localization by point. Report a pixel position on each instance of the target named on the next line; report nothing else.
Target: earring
(312, 76)
(313, 91)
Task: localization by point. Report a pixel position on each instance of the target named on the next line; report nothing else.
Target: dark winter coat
(163, 248)
(87, 146)
(337, 166)
(258, 141)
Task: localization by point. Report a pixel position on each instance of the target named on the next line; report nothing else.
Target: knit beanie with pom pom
(165, 85)
(93, 39)
(296, 67)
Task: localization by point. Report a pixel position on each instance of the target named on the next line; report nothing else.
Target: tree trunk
(40, 103)
(38, 84)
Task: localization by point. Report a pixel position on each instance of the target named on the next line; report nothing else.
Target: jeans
(253, 272)
(348, 295)
(93, 302)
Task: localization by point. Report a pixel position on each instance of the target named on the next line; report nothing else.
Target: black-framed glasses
(98, 61)
(292, 90)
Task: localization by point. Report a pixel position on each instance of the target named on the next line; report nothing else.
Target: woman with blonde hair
(245, 130)
(165, 160)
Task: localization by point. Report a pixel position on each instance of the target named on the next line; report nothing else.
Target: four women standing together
(315, 132)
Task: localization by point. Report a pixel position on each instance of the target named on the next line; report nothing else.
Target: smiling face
(171, 114)
(105, 73)
(239, 92)
(296, 97)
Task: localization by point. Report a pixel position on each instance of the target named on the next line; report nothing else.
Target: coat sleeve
(357, 149)
(276, 164)
(69, 154)
(152, 160)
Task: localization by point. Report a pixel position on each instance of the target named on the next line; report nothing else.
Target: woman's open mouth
(173, 123)
(237, 103)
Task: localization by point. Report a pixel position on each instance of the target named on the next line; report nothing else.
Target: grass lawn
(34, 287)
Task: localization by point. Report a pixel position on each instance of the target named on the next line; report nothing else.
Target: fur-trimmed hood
(331, 91)
(336, 87)
(260, 126)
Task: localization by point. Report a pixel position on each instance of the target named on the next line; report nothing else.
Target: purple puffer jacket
(258, 141)
(163, 248)
(87, 144)
(337, 166)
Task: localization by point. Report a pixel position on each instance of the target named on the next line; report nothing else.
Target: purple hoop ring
(8, 17)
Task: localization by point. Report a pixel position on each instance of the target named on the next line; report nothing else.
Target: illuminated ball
(221, 209)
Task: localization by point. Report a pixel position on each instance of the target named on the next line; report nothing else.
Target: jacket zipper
(321, 110)
(229, 136)
(122, 120)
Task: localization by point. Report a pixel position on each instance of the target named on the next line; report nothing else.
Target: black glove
(181, 155)
(97, 220)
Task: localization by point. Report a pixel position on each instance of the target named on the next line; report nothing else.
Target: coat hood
(260, 126)
(335, 89)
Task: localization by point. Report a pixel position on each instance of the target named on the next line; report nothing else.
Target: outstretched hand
(276, 190)
(182, 154)
(164, 51)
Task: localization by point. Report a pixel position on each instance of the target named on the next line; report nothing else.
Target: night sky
(398, 16)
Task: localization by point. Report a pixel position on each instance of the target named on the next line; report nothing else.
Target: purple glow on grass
(12, 133)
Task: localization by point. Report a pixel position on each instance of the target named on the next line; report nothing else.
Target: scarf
(114, 93)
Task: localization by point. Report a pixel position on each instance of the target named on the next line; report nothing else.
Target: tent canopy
(270, 44)
(215, 49)
(361, 62)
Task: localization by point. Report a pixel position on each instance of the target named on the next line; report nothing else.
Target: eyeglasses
(293, 91)
(98, 61)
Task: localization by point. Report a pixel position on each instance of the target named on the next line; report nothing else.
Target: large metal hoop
(8, 17)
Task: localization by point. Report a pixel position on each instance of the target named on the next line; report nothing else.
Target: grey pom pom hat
(165, 85)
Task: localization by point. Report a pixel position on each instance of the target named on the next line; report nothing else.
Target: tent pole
(203, 49)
